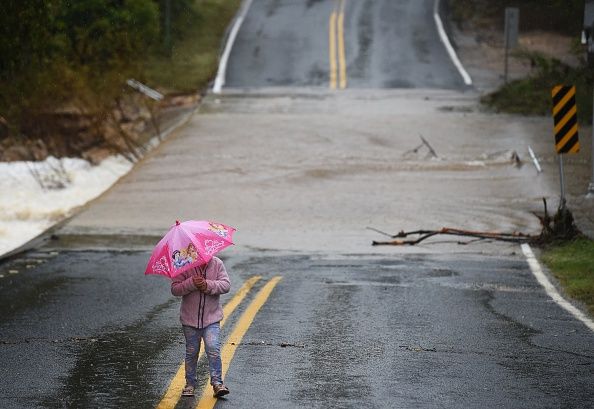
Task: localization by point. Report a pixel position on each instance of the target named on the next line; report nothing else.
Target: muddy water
(311, 171)
(39, 194)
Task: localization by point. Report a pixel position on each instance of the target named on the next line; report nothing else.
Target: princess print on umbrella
(178, 260)
(191, 252)
(184, 256)
(219, 229)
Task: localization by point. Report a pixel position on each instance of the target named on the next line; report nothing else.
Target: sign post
(588, 41)
(562, 182)
(512, 25)
(590, 194)
(566, 128)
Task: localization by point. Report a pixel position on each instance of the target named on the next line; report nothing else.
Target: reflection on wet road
(92, 339)
(450, 330)
(207, 401)
(411, 331)
(302, 172)
(175, 387)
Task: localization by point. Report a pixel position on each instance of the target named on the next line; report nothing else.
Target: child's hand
(200, 283)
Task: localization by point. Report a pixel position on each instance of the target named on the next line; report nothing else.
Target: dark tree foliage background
(182, 14)
(563, 16)
(76, 52)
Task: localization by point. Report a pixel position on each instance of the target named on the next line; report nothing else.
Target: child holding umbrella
(200, 314)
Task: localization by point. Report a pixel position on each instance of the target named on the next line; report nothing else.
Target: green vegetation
(573, 265)
(532, 95)
(563, 16)
(77, 55)
(194, 57)
(57, 52)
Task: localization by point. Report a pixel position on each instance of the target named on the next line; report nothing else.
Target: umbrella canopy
(187, 245)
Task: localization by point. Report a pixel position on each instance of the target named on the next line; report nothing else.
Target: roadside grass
(572, 264)
(532, 95)
(194, 59)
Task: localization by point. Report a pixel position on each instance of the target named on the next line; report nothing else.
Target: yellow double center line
(173, 393)
(207, 401)
(336, 47)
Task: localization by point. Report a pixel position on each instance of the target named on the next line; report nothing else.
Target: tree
(54, 51)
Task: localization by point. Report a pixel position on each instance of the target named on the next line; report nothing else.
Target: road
(371, 43)
(438, 330)
(316, 316)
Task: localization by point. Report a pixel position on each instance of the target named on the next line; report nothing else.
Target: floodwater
(36, 195)
(311, 171)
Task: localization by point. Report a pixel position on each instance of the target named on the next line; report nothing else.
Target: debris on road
(503, 157)
(515, 237)
(424, 142)
(559, 227)
(534, 160)
(416, 348)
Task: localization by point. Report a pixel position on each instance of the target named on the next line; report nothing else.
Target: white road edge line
(551, 290)
(448, 45)
(220, 78)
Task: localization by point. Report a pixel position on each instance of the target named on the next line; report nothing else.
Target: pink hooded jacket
(198, 309)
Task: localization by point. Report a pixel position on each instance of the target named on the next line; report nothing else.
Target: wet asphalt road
(85, 329)
(388, 44)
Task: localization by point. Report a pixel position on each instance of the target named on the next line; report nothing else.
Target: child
(200, 314)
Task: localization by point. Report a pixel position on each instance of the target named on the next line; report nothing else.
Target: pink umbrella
(187, 245)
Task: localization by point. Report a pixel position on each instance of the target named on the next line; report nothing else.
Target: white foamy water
(27, 208)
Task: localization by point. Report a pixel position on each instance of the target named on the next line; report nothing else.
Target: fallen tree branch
(423, 143)
(431, 150)
(559, 227)
(515, 237)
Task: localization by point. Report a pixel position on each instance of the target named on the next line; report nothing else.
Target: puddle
(117, 369)
(31, 296)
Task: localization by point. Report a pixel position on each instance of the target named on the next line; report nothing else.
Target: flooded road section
(310, 171)
(85, 329)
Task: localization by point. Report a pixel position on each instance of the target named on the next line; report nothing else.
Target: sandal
(188, 390)
(220, 390)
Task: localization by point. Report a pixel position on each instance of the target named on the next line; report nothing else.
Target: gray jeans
(210, 335)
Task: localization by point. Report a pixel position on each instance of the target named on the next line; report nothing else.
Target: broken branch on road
(514, 237)
(424, 142)
(416, 348)
(559, 227)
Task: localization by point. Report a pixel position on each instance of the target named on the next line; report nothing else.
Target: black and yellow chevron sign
(565, 119)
